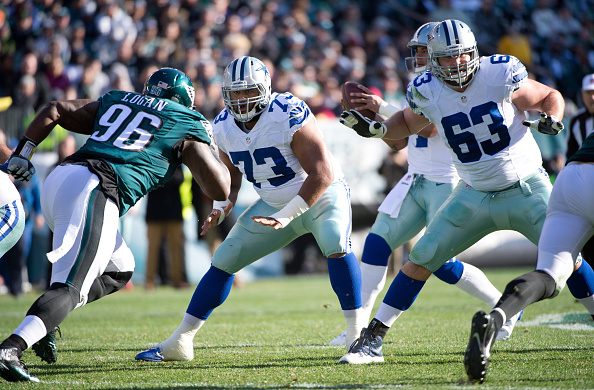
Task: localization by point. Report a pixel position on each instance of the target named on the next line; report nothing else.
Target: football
(347, 104)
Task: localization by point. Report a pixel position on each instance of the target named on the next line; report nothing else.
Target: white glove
(547, 124)
(363, 126)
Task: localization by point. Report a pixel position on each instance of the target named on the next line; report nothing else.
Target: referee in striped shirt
(581, 125)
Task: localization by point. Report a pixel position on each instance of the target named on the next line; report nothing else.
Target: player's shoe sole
(476, 357)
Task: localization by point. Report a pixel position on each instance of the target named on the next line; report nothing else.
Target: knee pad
(330, 238)
(226, 255)
(108, 283)
(425, 249)
(376, 250)
(450, 272)
(55, 304)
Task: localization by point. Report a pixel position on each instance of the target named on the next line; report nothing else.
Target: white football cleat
(339, 340)
(507, 328)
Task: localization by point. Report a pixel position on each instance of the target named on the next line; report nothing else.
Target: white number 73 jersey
(264, 154)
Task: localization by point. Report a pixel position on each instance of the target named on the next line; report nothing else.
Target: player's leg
(84, 222)
(465, 276)
(329, 220)
(12, 225)
(461, 222)
(247, 242)
(562, 235)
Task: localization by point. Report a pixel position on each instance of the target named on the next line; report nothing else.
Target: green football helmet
(172, 84)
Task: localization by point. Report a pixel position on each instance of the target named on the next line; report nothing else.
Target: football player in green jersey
(136, 142)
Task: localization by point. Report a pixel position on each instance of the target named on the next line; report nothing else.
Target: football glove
(18, 164)
(547, 124)
(363, 126)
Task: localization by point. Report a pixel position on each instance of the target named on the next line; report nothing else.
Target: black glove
(547, 124)
(363, 126)
(18, 164)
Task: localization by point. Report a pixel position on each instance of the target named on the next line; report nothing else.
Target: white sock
(32, 329)
(356, 321)
(373, 279)
(387, 314)
(588, 303)
(475, 283)
(180, 345)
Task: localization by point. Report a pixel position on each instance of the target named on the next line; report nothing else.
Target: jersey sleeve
(419, 93)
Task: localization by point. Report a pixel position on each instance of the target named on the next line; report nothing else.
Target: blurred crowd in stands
(55, 49)
(68, 49)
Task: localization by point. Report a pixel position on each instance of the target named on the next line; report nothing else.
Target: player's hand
(363, 126)
(268, 221)
(547, 124)
(367, 100)
(213, 218)
(20, 168)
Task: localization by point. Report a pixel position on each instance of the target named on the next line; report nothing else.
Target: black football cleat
(46, 348)
(11, 367)
(366, 349)
(476, 357)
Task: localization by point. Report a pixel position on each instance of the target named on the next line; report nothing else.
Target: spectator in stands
(165, 226)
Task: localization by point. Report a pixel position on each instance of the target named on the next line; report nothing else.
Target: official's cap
(588, 83)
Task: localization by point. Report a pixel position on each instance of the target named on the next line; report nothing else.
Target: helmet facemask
(242, 74)
(452, 39)
(419, 40)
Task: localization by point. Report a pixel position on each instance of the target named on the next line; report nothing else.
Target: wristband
(387, 110)
(25, 148)
(292, 210)
(217, 205)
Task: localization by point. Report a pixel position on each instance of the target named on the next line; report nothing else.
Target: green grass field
(274, 334)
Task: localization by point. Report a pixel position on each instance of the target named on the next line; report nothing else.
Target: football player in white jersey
(12, 214)
(411, 204)
(272, 139)
(477, 105)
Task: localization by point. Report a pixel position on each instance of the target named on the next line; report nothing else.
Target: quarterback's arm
(207, 169)
(533, 95)
(77, 116)
(404, 123)
(370, 101)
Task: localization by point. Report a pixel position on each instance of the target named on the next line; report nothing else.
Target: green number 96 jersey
(140, 138)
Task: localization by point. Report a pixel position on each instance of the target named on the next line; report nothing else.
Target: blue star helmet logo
(264, 69)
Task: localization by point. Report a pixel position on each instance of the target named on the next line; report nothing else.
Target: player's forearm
(396, 127)
(316, 183)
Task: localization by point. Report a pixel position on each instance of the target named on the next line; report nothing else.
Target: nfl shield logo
(463, 99)
(247, 140)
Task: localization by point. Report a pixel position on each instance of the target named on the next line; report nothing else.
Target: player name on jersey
(145, 101)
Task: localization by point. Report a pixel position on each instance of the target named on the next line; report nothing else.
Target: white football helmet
(419, 39)
(246, 73)
(452, 38)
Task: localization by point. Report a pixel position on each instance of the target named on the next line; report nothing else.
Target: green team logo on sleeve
(136, 135)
